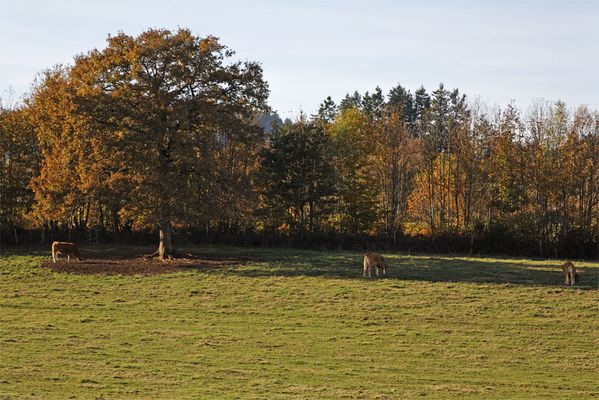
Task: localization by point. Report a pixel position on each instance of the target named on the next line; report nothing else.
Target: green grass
(297, 324)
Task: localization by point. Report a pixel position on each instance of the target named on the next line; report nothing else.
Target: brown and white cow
(570, 274)
(374, 260)
(65, 248)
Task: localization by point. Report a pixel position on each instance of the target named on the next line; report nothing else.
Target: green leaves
(298, 174)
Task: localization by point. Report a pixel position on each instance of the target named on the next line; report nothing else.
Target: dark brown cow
(65, 248)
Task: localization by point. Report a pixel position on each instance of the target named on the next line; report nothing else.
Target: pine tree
(353, 101)
(327, 111)
(401, 101)
(373, 105)
(298, 176)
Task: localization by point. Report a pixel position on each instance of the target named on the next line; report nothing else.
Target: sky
(497, 51)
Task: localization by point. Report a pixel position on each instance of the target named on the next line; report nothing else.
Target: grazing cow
(374, 260)
(65, 248)
(570, 274)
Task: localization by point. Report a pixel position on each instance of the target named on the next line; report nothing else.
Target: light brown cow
(570, 274)
(374, 260)
(65, 248)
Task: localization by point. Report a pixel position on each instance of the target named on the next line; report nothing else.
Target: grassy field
(291, 324)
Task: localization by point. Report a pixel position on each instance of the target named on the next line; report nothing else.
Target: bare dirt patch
(142, 266)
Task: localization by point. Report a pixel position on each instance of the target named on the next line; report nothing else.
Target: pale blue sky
(498, 50)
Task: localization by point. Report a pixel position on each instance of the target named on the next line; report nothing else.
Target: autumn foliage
(164, 134)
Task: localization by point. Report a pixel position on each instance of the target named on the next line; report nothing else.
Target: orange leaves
(131, 127)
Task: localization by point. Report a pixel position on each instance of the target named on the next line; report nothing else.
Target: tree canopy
(166, 132)
(147, 117)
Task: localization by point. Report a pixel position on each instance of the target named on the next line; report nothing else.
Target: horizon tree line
(164, 133)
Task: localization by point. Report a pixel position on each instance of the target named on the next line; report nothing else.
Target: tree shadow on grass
(445, 269)
(260, 262)
(417, 268)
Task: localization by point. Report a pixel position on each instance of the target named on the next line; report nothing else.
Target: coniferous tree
(421, 109)
(401, 101)
(351, 101)
(373, 104)
(298, 176)
(327, 111)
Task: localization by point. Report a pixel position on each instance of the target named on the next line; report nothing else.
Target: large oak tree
(162, 103)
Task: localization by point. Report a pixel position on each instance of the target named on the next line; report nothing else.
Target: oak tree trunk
(165, 248)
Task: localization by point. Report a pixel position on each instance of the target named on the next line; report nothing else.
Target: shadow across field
(417, 268)
(339, 265)
(445, 269)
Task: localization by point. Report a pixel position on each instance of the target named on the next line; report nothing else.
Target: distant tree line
(163, 134)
